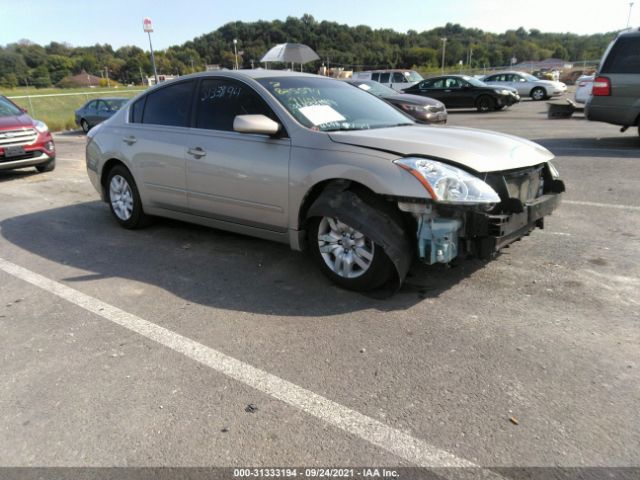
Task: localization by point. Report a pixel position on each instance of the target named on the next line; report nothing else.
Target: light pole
(235, 50)
(444, 49)
(147, 26)
(629, 19)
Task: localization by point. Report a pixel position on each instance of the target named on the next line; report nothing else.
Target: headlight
(41, 126)
(448, 184)
(500, 91)
(413, 108)
(553, 170)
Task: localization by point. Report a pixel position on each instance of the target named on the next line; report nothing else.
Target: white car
(526, 84)
(399, 80)
(583, 91)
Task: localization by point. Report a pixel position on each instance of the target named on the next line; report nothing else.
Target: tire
(123, 198)
(485, 104)
(538, 94)
(85, 126)
(46, 167)
(378, 271)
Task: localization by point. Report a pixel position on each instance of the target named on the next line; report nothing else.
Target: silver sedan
(526, 84)
(319, 165)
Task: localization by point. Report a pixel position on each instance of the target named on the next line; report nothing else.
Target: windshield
(474, 81)
(329, 105)
(8, 109)
(413, 76)
(375, 88)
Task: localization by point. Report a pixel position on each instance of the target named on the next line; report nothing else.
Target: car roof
(632, 32)
(248, 73)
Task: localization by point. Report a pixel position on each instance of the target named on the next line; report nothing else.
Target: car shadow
(626, 146)
(8, 175)
(206, 266)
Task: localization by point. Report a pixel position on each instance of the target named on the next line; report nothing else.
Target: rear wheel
(485, 104)
(538, 94)
(46, 167)
(85, 126)
(124, 199)
(347, 256)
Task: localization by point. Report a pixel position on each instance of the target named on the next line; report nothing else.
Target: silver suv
(615, 96)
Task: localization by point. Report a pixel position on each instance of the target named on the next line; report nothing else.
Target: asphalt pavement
(179, 345)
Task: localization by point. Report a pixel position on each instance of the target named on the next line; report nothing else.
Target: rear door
(622, 68)
(237, 177)
(155, 141)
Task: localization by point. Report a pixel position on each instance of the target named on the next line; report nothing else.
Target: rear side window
(137, 109)
(624, 56)
(384, 77)
(169, 106)
(375, 76)
(221, 100)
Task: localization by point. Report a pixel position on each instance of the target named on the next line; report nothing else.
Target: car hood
(413, 99)
(15, 121)
(479, 150)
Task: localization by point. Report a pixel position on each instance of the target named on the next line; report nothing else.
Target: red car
(24, 142)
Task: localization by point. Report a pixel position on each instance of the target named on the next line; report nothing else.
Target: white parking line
(602, 205)
(390, 439)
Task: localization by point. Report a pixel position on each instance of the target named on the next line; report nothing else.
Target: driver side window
(221, 100)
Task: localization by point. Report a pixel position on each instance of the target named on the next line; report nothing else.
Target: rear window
(169, 105)
(624, 56)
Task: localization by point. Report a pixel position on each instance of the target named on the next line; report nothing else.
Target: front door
(237, 177)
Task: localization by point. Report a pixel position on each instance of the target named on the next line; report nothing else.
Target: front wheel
(485, 104)
(538, 94)
(124, 199)
(46, 167)
(347, 256)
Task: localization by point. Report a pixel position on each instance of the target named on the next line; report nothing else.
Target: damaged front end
(473, 216)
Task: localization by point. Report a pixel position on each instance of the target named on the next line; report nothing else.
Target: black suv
(615, 96)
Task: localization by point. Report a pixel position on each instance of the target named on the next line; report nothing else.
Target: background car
(24, 142)
(583, 89)
(395, 79)
(96, 111)
(462, 91)
(367, 189)
(527, 85)
(423, 109)
(615, 97)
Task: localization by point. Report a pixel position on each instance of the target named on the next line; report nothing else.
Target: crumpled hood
(479, 150)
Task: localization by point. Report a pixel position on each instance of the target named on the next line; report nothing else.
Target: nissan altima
(319, 165)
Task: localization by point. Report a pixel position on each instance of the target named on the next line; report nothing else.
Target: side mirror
(24, 110)
(259, 124)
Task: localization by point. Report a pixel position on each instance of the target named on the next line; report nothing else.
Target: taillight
(601, 87)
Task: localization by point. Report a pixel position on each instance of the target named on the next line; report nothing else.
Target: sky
(119, 22)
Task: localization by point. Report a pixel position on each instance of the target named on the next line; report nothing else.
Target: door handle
(130, 140)
(196, 152)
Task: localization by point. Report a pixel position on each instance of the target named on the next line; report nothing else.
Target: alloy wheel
(121, 197)
(346, 251)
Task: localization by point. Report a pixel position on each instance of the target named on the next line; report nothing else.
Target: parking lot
(179, 345)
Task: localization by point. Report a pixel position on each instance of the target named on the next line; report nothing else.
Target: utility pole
(629, 19)
(147, 26)
(444, 49)
(141, 76)
(235, 50)
(106, 69)
(192, 70)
